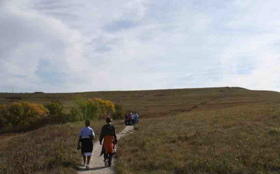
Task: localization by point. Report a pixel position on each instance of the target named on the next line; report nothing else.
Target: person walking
(86, 139)
(109, 138)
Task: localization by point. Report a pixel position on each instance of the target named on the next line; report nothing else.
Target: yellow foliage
(106, 107)
(23, 113)
(3, 110)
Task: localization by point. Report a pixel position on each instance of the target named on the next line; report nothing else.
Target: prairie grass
(237, 140)
(213, 130)
(150, 103)
(51, 149)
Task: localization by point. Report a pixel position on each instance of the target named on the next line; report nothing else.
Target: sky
(75, 46)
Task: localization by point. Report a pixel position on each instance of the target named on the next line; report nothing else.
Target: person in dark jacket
(109, 138)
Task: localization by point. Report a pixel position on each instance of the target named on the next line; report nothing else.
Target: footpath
(96, 163)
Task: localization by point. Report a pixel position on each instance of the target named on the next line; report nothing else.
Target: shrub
(74, 115)
(3, 115)
(22, 115)
(91, 109)
(2, 122)
(84, 109)
(56, 112)
(81, 107)
(16, 113)
(119, 112)
(55, 108)
(106, 107)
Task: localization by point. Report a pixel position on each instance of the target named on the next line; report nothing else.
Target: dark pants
(87, 145)
(108, 156)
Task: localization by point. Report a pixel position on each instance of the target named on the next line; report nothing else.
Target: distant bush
(22, 115)
(106, 107)
(55, 108)
(119, 112)
(95, 108)
(3, 115)
(84, 109)
(92, 109)
(56, 112)
(74, 115)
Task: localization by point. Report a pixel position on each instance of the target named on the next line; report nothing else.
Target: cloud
(253, 46)
(67, 46)
(119, 25)
(32, 38)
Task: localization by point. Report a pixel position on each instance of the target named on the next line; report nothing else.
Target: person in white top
(86, 139)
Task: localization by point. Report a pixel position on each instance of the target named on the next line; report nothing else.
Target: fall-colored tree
(22, 114)
(55, 108)
(3, 115)
(106, 107)
(119, 111)
(91, 108)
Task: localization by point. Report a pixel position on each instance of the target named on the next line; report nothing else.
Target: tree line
(23, 116)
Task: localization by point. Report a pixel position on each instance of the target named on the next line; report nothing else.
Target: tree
(91, 109)
(106, 107)
(119, 112)
(55, 108)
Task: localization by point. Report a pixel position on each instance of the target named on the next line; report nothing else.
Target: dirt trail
(96, 162)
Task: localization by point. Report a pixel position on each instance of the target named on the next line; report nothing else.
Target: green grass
(51, 149)
(236, 140)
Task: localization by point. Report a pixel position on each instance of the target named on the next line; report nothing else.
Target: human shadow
(81, 169)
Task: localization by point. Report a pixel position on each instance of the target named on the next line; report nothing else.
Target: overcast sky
(74, 45)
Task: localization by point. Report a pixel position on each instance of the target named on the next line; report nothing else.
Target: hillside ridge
(153, 103)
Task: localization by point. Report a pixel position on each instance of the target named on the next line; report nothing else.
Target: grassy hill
(154, 103)
(207, 130)
(237, 131)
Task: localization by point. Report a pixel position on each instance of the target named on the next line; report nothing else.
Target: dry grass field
(238, 133)
(151, 103)
(210, 130)
(51, 149)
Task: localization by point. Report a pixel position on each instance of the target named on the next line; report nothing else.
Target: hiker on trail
(126, 116)
(108, 133)
(86, 137)
(136, 117)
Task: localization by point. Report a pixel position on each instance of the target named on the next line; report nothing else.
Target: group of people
(131, 119)
(108, 140)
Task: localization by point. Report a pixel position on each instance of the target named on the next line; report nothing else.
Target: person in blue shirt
(86, 139)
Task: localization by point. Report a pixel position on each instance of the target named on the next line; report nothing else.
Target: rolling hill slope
(234, 132)
(208, 130)
(156, 103)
